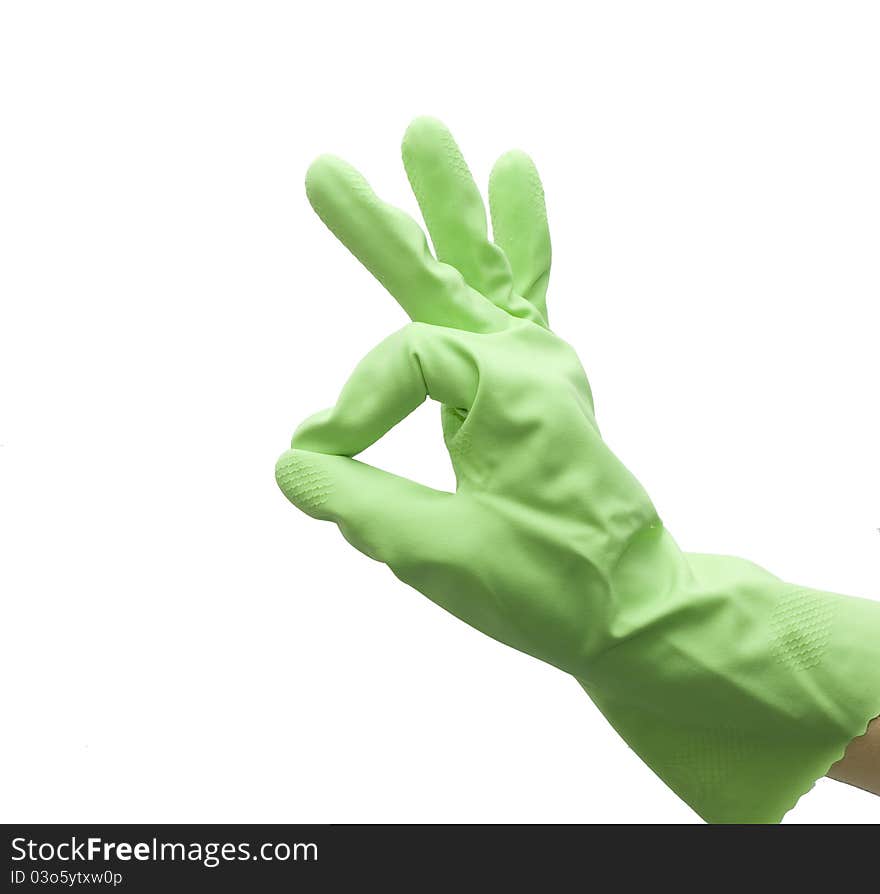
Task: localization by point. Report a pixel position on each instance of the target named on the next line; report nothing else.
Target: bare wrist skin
(860, 766)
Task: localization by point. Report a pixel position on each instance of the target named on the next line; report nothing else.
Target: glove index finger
(388, 384)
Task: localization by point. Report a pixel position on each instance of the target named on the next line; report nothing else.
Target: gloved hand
(737, 689)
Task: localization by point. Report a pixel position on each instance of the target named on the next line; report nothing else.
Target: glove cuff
(737, 689)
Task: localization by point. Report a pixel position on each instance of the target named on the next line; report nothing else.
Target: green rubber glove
(737, 689)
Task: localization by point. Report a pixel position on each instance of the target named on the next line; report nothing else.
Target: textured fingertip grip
(303, 481)
(331, 185)
(514, 177)
(427, 138)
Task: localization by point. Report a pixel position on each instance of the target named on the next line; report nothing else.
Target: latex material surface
(737, 689)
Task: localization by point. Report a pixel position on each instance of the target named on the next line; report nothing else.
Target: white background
(179, 643)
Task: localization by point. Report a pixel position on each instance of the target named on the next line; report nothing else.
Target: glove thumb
(389, 518)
